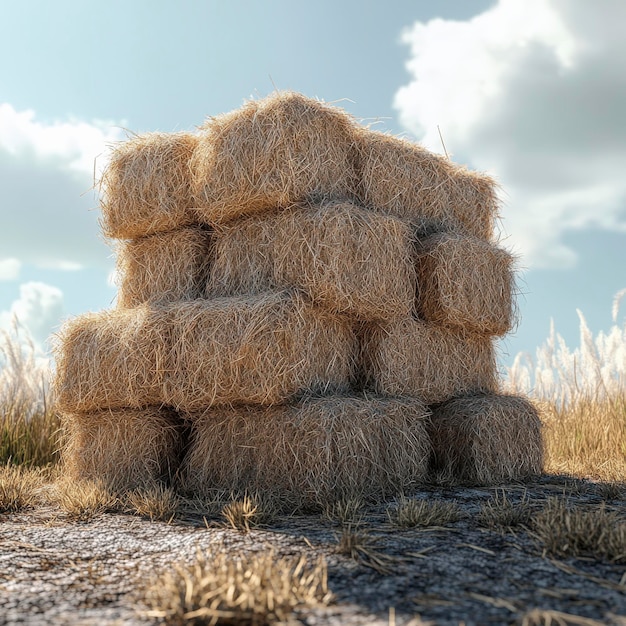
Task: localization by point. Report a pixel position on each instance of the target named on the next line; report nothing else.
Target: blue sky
(533, 92)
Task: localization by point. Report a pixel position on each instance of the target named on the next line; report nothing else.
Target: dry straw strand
(487, 439)
(311, 452)
(347, 259)
(261, 349)
(164, 267)
(272, 153)
(403, 178)
(465, 282)
(412, 357)
(146, 186)
(125, 449)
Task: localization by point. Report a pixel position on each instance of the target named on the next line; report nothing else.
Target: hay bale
(146, 185)
(111, 360)
(487, 439)
(272, 153)
(347, 259)
(164, 267)
(311, 452)
(125, 448)
(261, 349)
(404, 179)
(413, 358)
(465, 282)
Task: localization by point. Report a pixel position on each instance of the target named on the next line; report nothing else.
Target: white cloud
(46, 197)
(533, 92)
(10, 269)
(38, 311)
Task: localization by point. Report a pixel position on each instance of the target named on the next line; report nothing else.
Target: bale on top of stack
(272, 153)
(287, 272)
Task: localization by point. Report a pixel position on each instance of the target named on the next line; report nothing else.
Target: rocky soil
(54, 571)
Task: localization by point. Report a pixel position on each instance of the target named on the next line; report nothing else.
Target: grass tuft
(566, 530)
(19, 487)
(345, 511)
(500, 512)
(360, 546)
(414, 513)
(223, 588)
(156, 503)
(84, 499)
(242, 514)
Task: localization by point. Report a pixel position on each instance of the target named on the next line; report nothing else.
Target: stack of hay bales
(306, 306)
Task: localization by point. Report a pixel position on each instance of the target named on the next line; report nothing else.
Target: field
(550, 552)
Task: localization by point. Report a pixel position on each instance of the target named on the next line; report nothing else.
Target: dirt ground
(53, 571)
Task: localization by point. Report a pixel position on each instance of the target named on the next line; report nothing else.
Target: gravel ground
(53, 571)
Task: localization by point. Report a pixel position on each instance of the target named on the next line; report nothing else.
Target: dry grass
(422, 360)
(566, 530)
(262, 349)
(272, 153)
(402, 178)
(164, 267)
(586, 437)
(581, 394)
(487, 439)
(124, 448)
(29, 424)
(411, 513)
(111, 360)
(347, 259)
(465, 283)
(19, 487)
(346, 511)
(360, 546)
(146, 186)
(550, 617)
(158, 503)
(82, 499)
(225, 588)
(500, 512)
(312, 453)
(242, 514)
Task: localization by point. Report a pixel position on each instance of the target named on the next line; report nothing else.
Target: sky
(532, 92)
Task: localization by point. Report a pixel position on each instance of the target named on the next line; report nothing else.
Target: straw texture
(402, 178)
(146, 186)
(347, 259)
(261, 349)
(417, 359)
(487, 439)
(125, 449)
(465, 282)
(111, 360)
(165, 267)
(272, 153)
(311, 452)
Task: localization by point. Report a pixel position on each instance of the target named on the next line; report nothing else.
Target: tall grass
(582, 396)
(29, 426)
